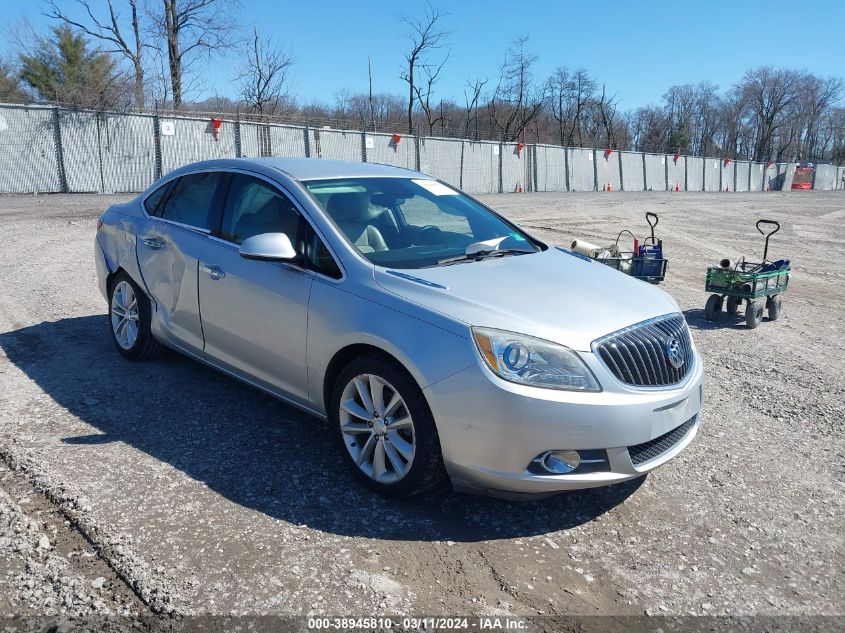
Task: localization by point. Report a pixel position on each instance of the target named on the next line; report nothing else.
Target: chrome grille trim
(636, 355)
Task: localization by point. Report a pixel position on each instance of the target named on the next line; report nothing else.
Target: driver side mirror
(268, 247)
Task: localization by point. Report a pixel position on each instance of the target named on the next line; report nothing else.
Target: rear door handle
(214, 272)
(153, 243)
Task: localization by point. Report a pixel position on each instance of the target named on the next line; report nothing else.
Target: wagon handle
(648, 217)
(768, 235)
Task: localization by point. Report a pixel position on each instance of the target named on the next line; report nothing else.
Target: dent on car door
(169, 249)
(255, 313)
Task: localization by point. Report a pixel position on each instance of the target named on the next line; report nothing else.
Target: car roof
(308, 168)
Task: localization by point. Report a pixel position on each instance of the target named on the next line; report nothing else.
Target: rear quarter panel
(116, 238)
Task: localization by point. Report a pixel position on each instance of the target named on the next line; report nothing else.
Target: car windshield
(415, 223)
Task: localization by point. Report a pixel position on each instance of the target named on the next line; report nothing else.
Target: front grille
(647, 451)
(639, 356)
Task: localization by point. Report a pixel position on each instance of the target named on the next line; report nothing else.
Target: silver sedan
(438, 339)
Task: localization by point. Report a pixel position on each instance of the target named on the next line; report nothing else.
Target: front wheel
(775, 307)
(130, 317)
(753, 314)
(385, 428)
(713, 307)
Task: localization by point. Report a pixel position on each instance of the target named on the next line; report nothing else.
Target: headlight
(532, 361)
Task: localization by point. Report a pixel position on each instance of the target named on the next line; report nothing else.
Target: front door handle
(215, 272)
(153, 243)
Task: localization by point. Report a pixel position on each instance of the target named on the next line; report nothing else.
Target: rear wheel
(732, 305)
(713, 307)
(130, 317)
(774, 306)
(753, 314)
(385, 428)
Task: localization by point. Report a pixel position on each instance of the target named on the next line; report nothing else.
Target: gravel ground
(189, 493)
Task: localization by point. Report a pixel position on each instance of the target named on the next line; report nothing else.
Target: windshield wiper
(479, 255)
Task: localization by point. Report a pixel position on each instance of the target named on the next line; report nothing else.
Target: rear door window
(154, 200)
(191, 200)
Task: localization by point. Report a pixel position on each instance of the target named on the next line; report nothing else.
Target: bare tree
(424, 90)
(122, 39)
(266, 74)
(607, 112)
(426, 35)
(516, 100)
(471, 99)
(191, 30)
(769, 94)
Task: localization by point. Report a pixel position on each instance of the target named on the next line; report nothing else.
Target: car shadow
(255, 450)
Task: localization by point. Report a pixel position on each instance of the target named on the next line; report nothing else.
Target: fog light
(561, 462)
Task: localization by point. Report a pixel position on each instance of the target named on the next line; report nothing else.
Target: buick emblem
(674, 353)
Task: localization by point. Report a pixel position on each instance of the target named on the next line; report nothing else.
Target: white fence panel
(742, 171)
(712, 174)
(338, 145)
(194, 140)
(513, 168)
(582, 175)
(676, 171)
(127, 147)
(757, 171)
(551, 168)
(607, 171)
(655, 172)
(28, 159)
(481, 167)
(632, 171)
(382, 149)
(81, 151)
(441, 158)
(825, 178)
(728, 170)
(695, 173)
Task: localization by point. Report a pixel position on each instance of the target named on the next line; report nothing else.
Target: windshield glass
(412, 223)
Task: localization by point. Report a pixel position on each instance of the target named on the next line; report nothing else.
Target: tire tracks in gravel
(152, 588)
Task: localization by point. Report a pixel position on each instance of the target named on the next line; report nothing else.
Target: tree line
(119, 54)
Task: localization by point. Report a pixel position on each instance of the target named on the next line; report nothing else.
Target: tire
(753, 314)
(775, 307)
(713, 307)
(132, 336)
(420, 461)
(732, 305)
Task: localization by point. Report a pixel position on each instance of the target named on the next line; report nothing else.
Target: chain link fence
(53, 149)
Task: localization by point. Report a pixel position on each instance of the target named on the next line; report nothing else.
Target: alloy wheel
(124, 315)
(377, 428)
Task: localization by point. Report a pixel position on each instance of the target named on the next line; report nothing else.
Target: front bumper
(490, 429)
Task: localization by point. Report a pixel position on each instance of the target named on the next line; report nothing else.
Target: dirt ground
(165, 486)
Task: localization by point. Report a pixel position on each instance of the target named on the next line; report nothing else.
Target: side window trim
(168, 187)
(216, 214)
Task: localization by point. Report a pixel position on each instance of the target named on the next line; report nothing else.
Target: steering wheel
(428, 228)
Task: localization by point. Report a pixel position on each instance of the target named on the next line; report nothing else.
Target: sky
(637, 48)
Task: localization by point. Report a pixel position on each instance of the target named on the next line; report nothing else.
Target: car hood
(553, 295)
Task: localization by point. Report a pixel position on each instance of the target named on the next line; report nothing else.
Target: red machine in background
(803, 177)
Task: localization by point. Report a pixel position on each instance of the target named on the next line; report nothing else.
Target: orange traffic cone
(677, 186)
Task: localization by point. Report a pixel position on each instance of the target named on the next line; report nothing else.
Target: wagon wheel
(773, 305)
(733, 304)
(753, 314)
(713, 307)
